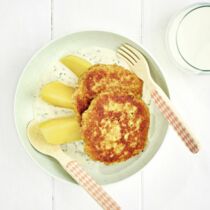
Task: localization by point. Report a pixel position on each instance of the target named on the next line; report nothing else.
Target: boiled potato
(61, 130)
(76, 64)
(58, 94)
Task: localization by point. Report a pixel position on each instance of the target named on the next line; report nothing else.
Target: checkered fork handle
(95, 190)
(164, 106)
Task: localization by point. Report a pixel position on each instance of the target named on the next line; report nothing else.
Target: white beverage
(193, 38)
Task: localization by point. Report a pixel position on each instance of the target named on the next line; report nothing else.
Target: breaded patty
(115, 127)
(103, 77)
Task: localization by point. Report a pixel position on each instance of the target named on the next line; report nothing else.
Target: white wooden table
(174, 179)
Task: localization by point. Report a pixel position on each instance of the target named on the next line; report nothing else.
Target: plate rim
(35, 54)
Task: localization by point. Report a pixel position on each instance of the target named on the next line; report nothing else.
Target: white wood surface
(174, 179)
(25, 26)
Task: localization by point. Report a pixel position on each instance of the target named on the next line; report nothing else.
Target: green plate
(27, 87)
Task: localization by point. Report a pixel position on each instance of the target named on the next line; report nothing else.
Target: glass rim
(177, 45)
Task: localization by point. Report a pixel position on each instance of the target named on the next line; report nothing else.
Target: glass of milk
(188, 38)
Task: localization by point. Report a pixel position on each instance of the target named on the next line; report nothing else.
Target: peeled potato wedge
(76, 64)
(57, 94)
(60, 130)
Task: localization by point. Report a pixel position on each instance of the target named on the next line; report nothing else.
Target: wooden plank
(176, 179)
(25, 26)
(123, 17)
(127, 193)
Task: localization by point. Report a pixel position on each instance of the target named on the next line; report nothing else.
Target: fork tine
(129, 53)
(124, 56)
(134, 51)
(128, 50)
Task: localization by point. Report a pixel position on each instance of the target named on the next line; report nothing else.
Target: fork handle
(95, 190)
(165, 106)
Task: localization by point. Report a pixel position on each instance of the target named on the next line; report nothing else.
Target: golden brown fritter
(103, 77)
(115, 127)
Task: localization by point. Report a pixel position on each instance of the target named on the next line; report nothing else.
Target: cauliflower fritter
(115, 126)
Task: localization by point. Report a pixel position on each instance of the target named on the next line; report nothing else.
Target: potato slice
(76, 64)
(57, 94)
(61, 130)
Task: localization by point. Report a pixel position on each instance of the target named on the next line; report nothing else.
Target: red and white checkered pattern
(175, 122)
(95, 190)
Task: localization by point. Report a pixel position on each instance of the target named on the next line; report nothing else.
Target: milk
(193, 38)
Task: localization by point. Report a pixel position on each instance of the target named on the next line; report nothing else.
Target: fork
(140, 67)
(71, 166)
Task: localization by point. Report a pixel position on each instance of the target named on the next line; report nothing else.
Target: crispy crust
(115, 127)
(101, 78)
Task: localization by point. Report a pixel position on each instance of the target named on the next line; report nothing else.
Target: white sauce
(193, 38)
(59, 72)
(44, 111)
